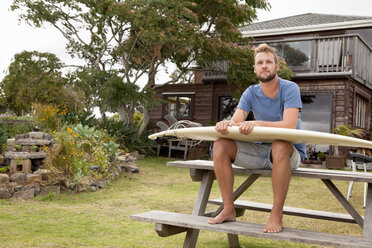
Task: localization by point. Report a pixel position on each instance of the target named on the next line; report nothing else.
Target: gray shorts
(257, 156)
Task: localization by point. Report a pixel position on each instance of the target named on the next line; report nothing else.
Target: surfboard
(264, 134)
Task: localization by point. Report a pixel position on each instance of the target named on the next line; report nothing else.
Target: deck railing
(331, 55)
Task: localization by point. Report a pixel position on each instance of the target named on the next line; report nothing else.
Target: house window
(316, 115)
(226, 107)
(178, 105)
(360, 112)
(296, 54)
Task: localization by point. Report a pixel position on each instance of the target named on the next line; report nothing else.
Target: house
(331, 56)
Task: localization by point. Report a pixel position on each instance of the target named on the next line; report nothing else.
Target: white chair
(362, 159)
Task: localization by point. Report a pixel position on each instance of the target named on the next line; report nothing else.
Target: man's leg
(224, 151)
(281, 176)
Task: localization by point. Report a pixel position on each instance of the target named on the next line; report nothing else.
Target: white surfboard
(266, 135)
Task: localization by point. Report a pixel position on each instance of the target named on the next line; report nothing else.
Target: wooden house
(331, 56)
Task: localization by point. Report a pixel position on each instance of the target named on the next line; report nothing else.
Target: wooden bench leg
(200, 206)
(233, 240)
(367, 230)
(336, 192)
(240, 190)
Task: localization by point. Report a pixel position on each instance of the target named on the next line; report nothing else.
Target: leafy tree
(134, 39)
(34, 77)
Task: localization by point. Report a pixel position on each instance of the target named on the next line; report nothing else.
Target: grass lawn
(102, 218)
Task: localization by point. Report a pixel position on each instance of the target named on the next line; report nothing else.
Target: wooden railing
(216, 71)
(341, 54)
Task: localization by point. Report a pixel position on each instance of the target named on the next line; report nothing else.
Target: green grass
(102, 218)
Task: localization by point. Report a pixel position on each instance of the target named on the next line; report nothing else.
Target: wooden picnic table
(168, 223)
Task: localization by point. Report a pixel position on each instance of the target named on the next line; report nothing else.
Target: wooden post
(367, 230)
(200, 206)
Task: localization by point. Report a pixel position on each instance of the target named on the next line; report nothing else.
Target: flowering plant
(80, 151)
(48, 116)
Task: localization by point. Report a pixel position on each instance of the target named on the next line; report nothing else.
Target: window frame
(358, 117)
(191, 95)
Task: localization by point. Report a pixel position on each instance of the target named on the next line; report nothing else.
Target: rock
(130, 159)
(82, 190)
(33, 142)
(132, 168)
(120, 159)
(33, 178)
(51, 190)
(119, 168)
(2, 159)
(92, 188)
(26, 193)
(10, 142)
(47, 136)
(43, 172)
(18, 178)
(98, 184)
(95, 167)
(4, 193)
(18, 188)
(136, 155)
(25, 155)
(36, 135)
(22, 136)
(4, 179)
(37, 189)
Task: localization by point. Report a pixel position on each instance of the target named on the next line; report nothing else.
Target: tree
(133, 39)
(34, 77)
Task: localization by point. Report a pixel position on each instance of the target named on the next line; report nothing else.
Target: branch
(178, 77)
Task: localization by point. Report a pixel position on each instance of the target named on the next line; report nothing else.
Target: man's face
(265, 67)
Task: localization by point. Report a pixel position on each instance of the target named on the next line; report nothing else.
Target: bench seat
(300, 172)
(301, 212)
(178, 220)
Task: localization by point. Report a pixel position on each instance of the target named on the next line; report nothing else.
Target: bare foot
(224, 216)
(275, 224)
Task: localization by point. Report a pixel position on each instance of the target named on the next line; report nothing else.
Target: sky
(18, 36)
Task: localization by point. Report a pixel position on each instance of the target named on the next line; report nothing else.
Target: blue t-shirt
(271, 109)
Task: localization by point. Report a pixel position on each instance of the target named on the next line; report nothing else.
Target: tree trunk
(125, 114)
(150, 84)
(145, 122)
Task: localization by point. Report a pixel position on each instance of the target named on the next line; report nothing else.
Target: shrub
(127, 136)
(48, 116)
(80, 151)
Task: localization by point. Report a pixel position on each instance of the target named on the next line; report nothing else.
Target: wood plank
(252, 229)
(199, 207)
(300, 172)
(301, 212)
(164, 230)
(345, 203)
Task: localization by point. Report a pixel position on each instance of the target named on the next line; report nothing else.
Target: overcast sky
(17, 37)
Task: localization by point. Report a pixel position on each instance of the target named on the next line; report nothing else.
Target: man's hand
(222, 126)
(247, 126)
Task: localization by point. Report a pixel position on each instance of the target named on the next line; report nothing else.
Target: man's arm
(290, 118)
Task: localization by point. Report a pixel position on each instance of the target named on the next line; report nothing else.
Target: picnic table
(168, 223)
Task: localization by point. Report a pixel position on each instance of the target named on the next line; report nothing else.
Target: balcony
(316, 57)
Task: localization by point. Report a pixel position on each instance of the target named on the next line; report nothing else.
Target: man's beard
(267, 78)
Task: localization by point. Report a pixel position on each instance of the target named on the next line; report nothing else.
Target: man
(275, 103)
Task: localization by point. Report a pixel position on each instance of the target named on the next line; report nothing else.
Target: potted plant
(336, 160)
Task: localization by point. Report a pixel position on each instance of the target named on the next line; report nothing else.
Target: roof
(305, 23)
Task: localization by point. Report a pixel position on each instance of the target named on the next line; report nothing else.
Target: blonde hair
(264, 48)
